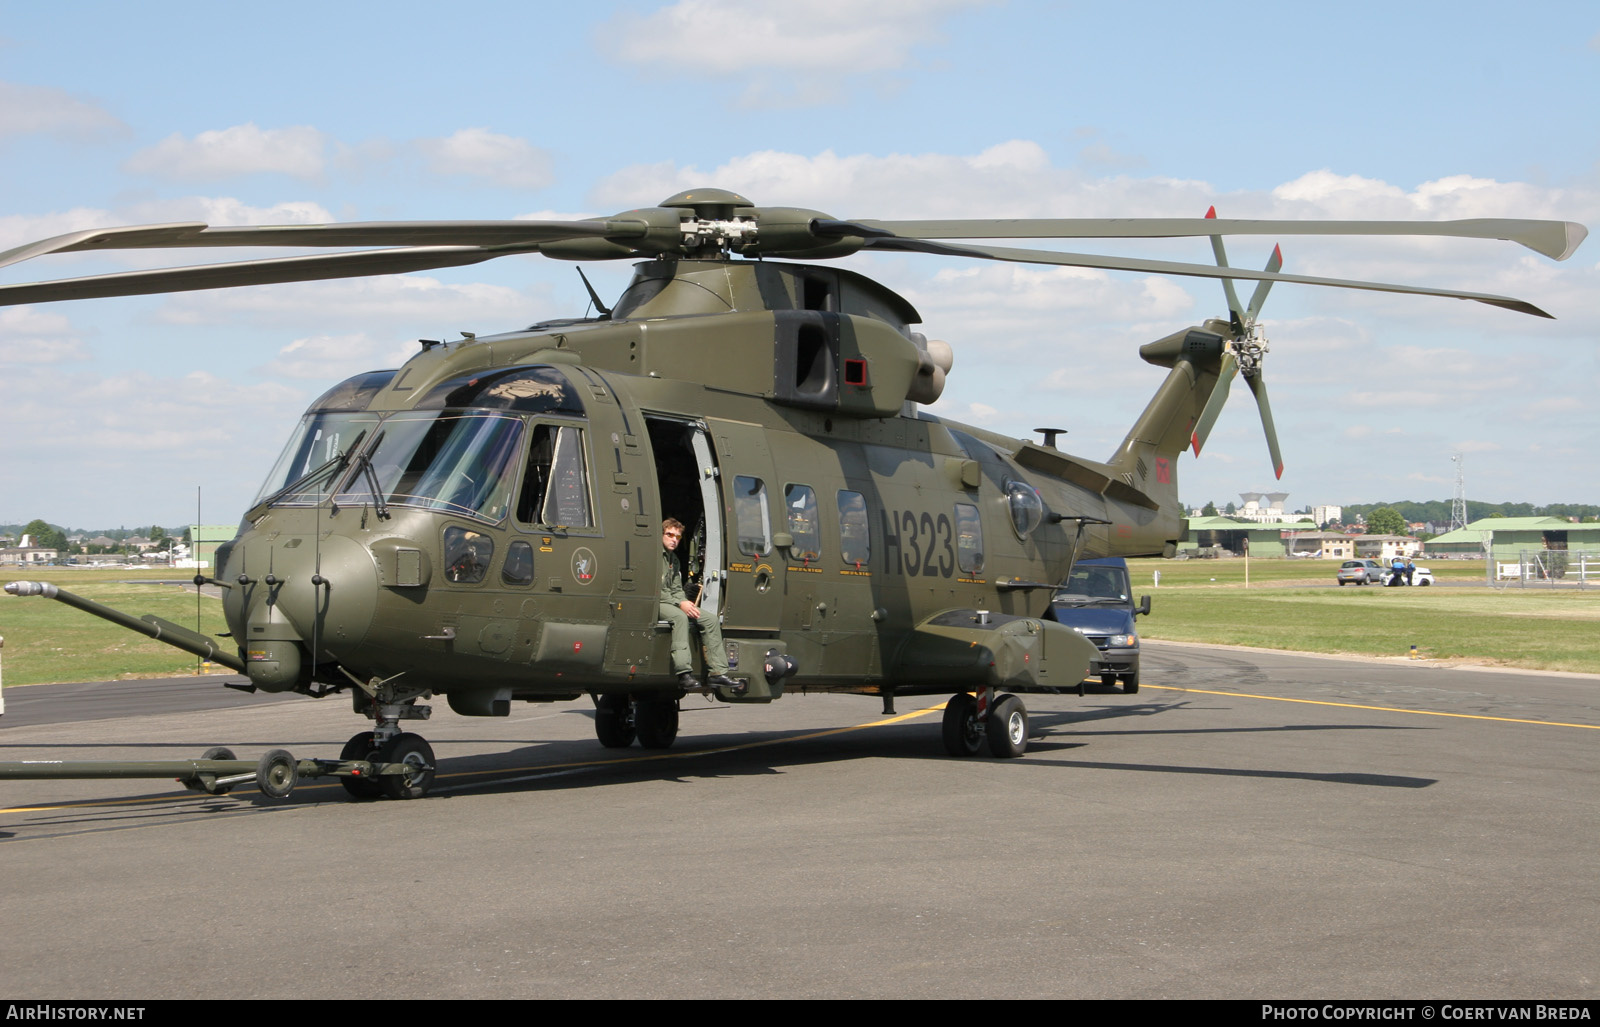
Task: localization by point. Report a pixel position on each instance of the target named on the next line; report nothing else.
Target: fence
(1548, 567)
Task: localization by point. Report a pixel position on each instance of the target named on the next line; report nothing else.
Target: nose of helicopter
(294, 595)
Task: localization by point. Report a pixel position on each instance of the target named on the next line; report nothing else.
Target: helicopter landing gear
(1005, 726)
(388, 703)
(1008, 727)
(656, 721)
(963, 734)
(360, 747)
(415, 753)
(613, 720)
(410, 750)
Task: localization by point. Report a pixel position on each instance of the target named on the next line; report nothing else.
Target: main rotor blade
(1167, 267)
(254, 272)
(1557, 239)
(371, 233)
(1214, 404)
(1259, 387)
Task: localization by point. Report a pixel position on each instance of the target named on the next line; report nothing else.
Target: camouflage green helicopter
(485, 522)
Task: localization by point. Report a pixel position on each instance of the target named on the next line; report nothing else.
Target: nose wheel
(411, 752)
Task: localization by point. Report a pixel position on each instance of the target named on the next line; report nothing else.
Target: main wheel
(360, 747)
(1130, 684)
(1108, 680)
(656, 722)
(1008, 727)
(963, 735)
(277, 773)
(409, 749)
(612, 724)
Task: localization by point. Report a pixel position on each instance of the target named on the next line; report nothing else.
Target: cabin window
(801, 503)
(518, 569)
(555, 486)
(466, 555)
(855, 536)
(969, 539)
(751, 515)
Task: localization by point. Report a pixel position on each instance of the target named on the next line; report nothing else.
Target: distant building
(1506, 537)
(204, 540)
(1328, 514)
(1386, 547)
(1264, 508)
(1321, 545)
(1233, 533)
(29, 556)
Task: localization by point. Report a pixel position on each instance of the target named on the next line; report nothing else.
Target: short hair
(672, 522)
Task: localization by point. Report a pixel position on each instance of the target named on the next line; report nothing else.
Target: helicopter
(484, 523)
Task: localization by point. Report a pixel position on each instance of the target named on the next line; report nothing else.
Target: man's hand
(692, 610)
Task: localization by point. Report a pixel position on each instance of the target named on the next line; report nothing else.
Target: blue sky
(113, 411)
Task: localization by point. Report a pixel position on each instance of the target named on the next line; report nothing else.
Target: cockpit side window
(555, 484)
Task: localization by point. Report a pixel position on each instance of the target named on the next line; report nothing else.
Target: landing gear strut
(411, 757)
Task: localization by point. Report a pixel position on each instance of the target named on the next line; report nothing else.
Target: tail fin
(1147, 459)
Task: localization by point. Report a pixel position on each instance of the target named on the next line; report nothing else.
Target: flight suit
(710, 631)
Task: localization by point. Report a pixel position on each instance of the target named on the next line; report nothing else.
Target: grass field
(1294, 604)
(48, 641)
(1289, 604)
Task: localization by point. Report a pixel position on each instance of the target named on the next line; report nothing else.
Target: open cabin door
(713, 554)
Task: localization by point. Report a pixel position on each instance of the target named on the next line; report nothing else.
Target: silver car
(1360, 572)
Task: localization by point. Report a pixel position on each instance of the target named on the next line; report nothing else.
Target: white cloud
(29, 336)
(245, 149)
(785, 53)
(733, 37)
(330, 358)
(42, 110)
(478, 153)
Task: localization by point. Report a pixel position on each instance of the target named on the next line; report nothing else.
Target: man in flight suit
(677, 610)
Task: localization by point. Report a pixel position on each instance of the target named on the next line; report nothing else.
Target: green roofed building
(1508, 537)
(1266, 539)
(205, 538)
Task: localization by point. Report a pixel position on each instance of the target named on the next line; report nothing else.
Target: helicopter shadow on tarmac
(571, 764)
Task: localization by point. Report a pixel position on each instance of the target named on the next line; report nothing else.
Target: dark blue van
(1096, 601)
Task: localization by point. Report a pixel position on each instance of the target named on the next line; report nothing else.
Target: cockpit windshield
(317, 454)
(458, 462)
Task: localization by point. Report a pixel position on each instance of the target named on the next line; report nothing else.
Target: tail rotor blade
(1213, 408)
(1259, 387)
(1257, 298)
(1222, 261)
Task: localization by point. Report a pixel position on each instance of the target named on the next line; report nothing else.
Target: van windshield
(1090, 586)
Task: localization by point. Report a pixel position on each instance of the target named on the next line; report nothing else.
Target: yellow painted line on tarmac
(551, 768)
(1383, 709)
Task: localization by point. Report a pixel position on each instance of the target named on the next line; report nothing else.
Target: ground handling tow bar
(218, 772)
